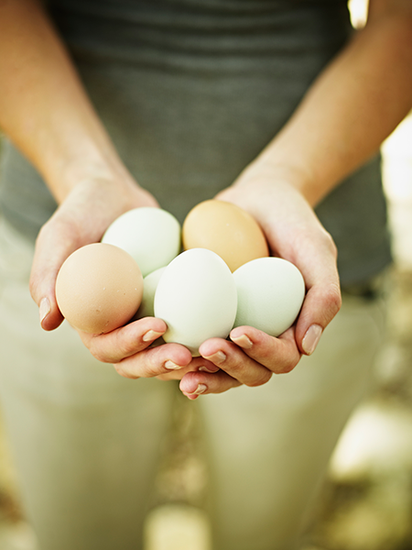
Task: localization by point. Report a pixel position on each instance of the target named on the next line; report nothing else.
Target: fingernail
(217, 357)
(201, 388)
(311, 339)
(243, 341)
(151, 335)
(206, 369)
(172, 366)
(44, 309)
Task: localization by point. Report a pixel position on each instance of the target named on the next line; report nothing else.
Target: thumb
(52, 248)
(323, 298)
(321, 304)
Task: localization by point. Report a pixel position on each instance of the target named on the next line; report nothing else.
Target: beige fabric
(270, 445)
(86, 440)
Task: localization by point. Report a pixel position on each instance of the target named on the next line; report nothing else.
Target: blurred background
(366, 503)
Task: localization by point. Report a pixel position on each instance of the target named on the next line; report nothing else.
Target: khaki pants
(86, 441)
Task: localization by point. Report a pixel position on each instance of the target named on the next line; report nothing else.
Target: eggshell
(151, 236)
(196, 297)
(146, 308)
(99, 288)
(150, 283)
(227, 230)
(270, 294)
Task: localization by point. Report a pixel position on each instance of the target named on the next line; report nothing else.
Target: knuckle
(153, 363)
(288, 365)
(100, 356)
(97, 352)
(236, 368)
(150, 371)
(329, 243)
(119, 367)
(263, 379)
(124, 346)
(149, 368)
(333, 298)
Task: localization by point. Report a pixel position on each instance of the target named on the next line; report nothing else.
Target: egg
(150, 283)
(150, 235)
(99, 288)
(196, 297)
(270, 294)
(225, 229)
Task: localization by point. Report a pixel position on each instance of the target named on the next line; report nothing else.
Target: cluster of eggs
(223, 278)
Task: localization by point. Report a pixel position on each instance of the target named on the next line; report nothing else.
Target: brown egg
(225, 229)
(99, 288)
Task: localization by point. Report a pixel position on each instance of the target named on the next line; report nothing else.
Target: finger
(124, 342)
(294, 233)
(44, 271)
(198, 383)
(278, 355)
(171, 359)
(321, 304)
(80, 219)
(323, 298)
(232, 359)
(198, 364)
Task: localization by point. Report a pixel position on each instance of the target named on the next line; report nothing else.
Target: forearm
(43, 107)
(351, 108)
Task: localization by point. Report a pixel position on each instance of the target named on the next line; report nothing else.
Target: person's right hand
(47, 114)
(81, 219)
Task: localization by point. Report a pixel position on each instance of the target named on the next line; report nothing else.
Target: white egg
(196, 297)
(270, 294)
(150, 283)
(151, 236)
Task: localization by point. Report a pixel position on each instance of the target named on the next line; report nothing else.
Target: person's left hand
(294, 233)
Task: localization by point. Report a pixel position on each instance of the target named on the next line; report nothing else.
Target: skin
(355, 103)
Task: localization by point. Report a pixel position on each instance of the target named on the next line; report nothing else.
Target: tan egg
(99, 288)
(225, 229)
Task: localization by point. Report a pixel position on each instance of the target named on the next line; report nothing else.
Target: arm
(43, 107)
(47, 114)
(354, 104)
(352, 107)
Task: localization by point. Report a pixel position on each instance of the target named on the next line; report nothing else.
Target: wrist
(64, 172)
(279, 172)
(265, 176)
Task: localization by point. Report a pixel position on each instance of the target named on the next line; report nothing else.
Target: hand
(129, 349)
(81, 219)
(294, 233)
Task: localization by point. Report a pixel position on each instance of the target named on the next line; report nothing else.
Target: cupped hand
(129, 349)
(82, 218)
(294, 233)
